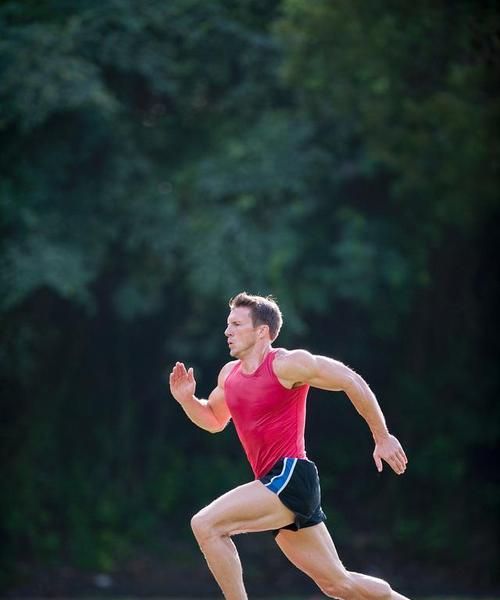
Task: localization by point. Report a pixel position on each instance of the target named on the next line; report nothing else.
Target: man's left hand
(390, 450)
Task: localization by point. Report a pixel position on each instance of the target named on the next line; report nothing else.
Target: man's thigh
(249, 507)
(312, 551)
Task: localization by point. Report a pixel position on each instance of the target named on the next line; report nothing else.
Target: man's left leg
(312, 551)
(249, 507)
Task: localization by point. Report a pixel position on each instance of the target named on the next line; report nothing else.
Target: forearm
(366, 404)
(200, 414)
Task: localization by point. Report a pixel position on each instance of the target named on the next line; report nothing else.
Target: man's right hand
(182, 383)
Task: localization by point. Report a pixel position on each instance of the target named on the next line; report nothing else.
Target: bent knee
(203, 526)
(382, 590)
(339, 587)
(350, 586)
(199, 526)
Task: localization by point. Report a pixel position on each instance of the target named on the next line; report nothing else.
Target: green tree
(157, 158)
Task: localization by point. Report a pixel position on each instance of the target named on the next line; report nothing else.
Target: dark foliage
(158, 157)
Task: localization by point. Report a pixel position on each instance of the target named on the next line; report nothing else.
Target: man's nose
(226, 333)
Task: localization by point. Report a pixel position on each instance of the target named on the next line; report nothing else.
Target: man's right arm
(212, 414)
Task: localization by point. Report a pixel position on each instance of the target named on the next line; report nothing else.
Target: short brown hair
(263, 310)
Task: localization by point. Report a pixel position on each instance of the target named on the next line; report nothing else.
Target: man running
(264, 392)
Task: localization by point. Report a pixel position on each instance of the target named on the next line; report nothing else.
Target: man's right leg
(312, 550)
(250, 507)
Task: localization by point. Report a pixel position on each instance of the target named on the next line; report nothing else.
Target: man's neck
(252, 361)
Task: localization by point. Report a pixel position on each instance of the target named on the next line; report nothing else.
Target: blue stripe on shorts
(278, 482)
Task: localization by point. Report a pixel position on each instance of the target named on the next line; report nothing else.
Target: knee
(384, 591)
(377, 588)
(340, 587)
(203, 526)
(347, 587)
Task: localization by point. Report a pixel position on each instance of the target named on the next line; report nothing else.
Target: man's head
(252, 319)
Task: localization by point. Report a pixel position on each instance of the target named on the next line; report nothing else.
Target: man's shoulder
(226, 369)
(294, 355)
(289, 363)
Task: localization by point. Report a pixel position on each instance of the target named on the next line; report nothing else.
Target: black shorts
(296, 482)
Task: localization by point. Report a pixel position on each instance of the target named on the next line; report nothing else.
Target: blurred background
(158, 157)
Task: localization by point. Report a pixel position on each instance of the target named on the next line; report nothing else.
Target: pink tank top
(269, 418)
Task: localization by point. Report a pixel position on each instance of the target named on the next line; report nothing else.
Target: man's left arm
(299, 367)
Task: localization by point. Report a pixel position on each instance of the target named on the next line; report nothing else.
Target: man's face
(240, 332)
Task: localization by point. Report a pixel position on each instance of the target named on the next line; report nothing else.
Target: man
(264, 392)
